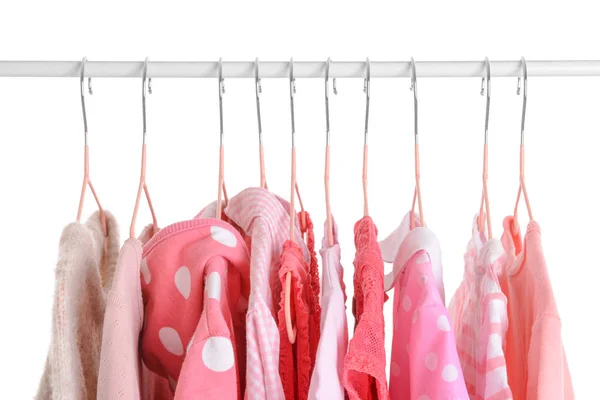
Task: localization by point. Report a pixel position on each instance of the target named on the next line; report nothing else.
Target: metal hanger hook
(524, 110)
(292, 92)
(258, 88)
(327, 67)
(367, 90)
(145, 82)
(413, 87)
(82, 78)
(221, 93)
(488, 92)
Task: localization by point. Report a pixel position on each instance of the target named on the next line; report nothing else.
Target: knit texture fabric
(83, 275)
(123, 375)
(364, 365)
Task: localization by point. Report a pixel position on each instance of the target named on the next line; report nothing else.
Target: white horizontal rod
(302, 69)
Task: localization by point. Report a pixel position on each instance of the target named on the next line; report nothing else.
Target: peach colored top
(535, 357)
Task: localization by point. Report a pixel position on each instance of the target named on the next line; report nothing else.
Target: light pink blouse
(326, 381)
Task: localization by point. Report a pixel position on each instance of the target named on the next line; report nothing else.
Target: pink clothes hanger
(367, 90)
(330, 238)
(143, 186)
(484, 196)
(522, 187)
(417, 195)
(221, 187)
(291, 330)
(258, 88)
(86, 158)
(263, 179)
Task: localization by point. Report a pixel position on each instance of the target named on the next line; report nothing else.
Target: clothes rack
(302, 69)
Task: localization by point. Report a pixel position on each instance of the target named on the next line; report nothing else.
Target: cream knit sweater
(83, 276)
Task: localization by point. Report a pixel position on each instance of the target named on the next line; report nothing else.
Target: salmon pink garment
(265, 219)
(480, 319)
(195, 288)
(535, 357)
(424, 363)
(326, 380)
(296, 361)
(364, 365)
(122, 373)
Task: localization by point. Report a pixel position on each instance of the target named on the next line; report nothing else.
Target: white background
(41, 136)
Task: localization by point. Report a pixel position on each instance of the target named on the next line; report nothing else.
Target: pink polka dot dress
(195, 286)
(424, 362)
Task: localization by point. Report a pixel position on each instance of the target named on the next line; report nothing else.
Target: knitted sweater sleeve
(120, 364)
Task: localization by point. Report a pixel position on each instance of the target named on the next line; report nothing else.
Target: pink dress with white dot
(195, 285)
(424, 362)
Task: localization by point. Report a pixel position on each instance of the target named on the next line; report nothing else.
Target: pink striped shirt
(479, 315)
(265, 218)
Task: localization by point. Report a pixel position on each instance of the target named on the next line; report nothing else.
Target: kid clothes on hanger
(265, 220)
(535, 357)
(182, 265)
(364, 365)
(297, 360)
(326, 381)
(122, 373)
(83, 276)
(479, 315)
(424, 362)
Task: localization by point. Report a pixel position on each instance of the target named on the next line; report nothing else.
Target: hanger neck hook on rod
(524, 109)
(221, 93)
(83, 109)
(417, 194)
(146, 83)
(292, 93)
(483, 220)
(258, 89)
(327, 68)
(367, 90)
(488, 93)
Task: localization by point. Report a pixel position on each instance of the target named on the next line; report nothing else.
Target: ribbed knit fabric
(83, 275)
(364, 365)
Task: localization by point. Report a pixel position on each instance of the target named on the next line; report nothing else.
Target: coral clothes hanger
(484, 195)
(522, 187)
(258, 88)
(417, 195)
(291, 330)
(143, 186)
(86, 158)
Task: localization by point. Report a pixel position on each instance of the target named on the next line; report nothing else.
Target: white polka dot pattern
(449, 373)
(183, 281)
(406, 303)
(213, 286)
(443, 324)
(217, 354)
(223, 236)
(171, 341)
(431, 361)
